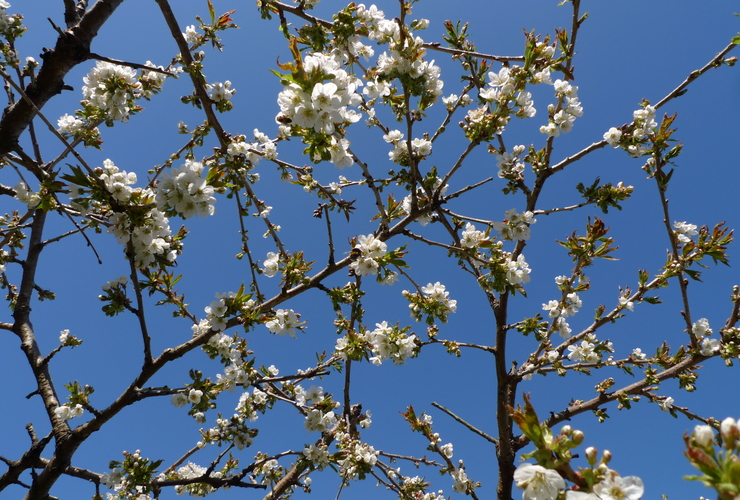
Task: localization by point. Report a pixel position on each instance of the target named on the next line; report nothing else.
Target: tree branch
(71, 49)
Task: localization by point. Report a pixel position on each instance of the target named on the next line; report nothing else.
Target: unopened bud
(606, 457)
(567, 430)
(591, 453)
(729, 431)
(602, 468)
(577, 438)
(703, 435)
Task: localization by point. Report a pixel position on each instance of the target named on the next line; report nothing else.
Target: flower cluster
(716, 465)
(5, 18)
(253, 152)
(152, 81)
(370, 249)
(320, 106)
(645, 123)
(113, 89)
(708, 345)
(434, 304)
(192, 471)
(684, 231)
(318, 420)
(569, 306)
(69, 411)
(25, 195)
(422, 201)
(634, 138)
(216, 314)
(220, 92)
(509, 165)
(229, 430)
(405, 60)
(462, 483)
(318, 455)
(70, 125)
(76, 128)
(117, 182)
(359, 458)
(517, 271)
(515, 227)
(392, 343)
(502, 91)
(583, 352)
(453, 100)
(541, 483)
(471, 237)
(562, 120)
(285, 321)
(183, 191)
(150, 236)
(133, 220)
(400, 153)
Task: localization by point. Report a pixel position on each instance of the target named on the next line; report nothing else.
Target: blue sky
(627, 51)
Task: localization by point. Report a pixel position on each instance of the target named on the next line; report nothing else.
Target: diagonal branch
(466, 424)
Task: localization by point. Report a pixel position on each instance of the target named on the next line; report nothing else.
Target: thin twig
(466, 424)
(129, 64)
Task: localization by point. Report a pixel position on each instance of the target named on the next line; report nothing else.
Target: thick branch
(72, 48)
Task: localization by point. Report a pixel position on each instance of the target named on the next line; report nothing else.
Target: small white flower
(709, 346)
(666, 404)
(612, 137)
(684, 231)
(194, 396)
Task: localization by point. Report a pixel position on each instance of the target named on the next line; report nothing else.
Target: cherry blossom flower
(271, 264)
(583, 352)
(613, 136)
(666, 404)
(112, 88)
(538, 482)
(69, 412)
(684, 231)
(285, 321)
(614, 487)
(471, 237)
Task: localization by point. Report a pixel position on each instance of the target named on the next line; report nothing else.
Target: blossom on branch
(538, 482)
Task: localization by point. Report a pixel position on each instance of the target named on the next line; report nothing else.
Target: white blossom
(538, 482)
(684, 231)
(285, 321)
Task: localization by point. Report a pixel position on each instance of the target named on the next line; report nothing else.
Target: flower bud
(702, 435)
(577, 438)
(591, 455)
(602, 469)
(606, 457)
(729, 432)
(567, 430)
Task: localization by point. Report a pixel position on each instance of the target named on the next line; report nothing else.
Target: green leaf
(211, 11)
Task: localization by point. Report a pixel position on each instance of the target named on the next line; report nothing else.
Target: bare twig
(466, 424)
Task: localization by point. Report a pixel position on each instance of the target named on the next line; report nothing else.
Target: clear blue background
(626, 51)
